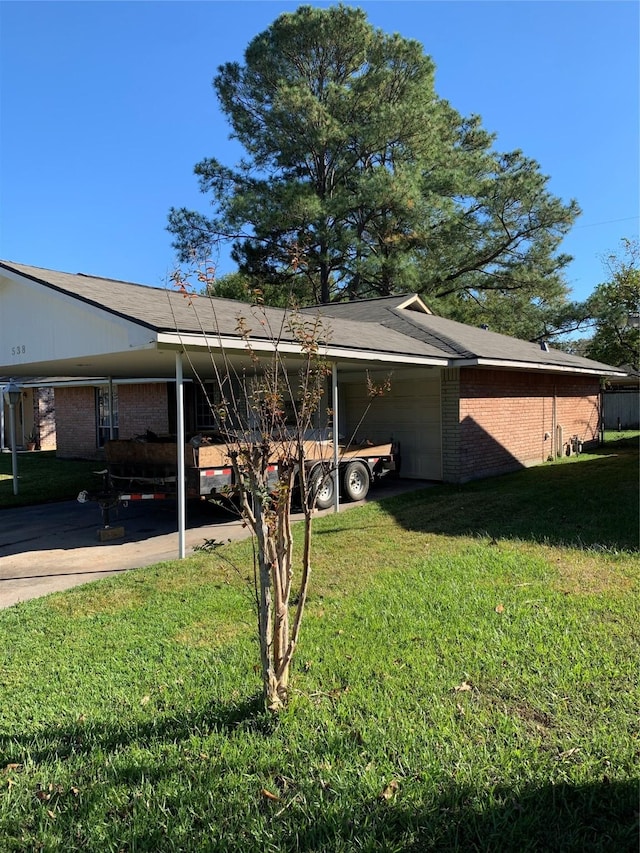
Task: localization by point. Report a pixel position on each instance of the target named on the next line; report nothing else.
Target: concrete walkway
(52, 547)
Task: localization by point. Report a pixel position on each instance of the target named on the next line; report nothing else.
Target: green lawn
(43, 478)
(467, 679)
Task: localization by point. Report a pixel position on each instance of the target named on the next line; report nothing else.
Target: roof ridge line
(361, 301)
(12, 265)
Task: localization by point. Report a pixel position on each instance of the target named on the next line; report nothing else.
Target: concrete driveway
(51, 547)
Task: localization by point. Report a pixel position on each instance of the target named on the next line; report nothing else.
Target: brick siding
(140, 407)
(76, 423)
(509, 419)
(493, 421)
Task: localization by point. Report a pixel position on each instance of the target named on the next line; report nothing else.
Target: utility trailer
(136, 466)
(148, 470)
(359, 465)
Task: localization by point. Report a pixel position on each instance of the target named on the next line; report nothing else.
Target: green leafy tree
(615, 305)
(353, 161)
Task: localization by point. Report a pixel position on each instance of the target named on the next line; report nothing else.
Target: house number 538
(19, 350)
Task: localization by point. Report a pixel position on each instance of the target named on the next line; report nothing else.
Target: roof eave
(531, 365)
(235, 344)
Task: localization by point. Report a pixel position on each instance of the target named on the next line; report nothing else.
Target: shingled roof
(396, 326)
(168, 310)
(459, 341)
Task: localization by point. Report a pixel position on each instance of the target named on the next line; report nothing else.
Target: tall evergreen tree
(359, 180)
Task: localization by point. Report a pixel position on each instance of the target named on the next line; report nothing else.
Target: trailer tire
(323, 487)
(355, 481)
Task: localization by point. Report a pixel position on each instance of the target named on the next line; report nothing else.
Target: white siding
(41, 325)
(408, 413)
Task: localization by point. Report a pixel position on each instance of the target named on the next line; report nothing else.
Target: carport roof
(398, 328)
(169, 310)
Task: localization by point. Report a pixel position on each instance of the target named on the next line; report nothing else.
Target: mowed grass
(43, 478)
(466, 680)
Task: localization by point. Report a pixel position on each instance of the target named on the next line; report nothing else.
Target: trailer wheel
(355, 481)
(322, 486)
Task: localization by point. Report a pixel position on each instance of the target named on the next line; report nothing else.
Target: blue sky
(107, 106)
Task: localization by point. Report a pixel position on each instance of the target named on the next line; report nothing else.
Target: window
(207, 399)
(103, 414)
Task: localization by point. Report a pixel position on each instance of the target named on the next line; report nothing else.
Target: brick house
(504, 403)
(464, 402)
(35, 415)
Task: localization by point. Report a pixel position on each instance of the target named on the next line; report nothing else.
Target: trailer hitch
(107, 499)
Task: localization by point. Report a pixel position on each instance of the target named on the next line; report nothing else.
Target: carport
(80, 326)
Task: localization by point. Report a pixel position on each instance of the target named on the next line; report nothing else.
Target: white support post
(182, 495)
(12, 394)
(336, 459)
(14, 449)
(111, 431)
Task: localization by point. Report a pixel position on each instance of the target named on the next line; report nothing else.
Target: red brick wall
(140, 407)
(76, 423)
(505, 415)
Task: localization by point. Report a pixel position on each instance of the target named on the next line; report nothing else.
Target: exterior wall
(455, 425)
(451, 425)
(140, 407)
(512, 419)
(35, 416)
(23, 419)
(76, 423)
(409, 413)
(44, 418)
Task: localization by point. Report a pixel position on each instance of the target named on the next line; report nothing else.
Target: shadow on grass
(553, 817)
(61, 741)
(588, 503)
(421, 814)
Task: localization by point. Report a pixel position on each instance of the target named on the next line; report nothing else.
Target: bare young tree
(269, 417)
(278, 437)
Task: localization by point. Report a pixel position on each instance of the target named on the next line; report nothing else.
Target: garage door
(409, 413)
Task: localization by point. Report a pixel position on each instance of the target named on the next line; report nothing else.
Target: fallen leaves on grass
(391, 790)
(269, 796)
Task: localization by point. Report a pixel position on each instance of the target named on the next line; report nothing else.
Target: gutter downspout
(182, 496)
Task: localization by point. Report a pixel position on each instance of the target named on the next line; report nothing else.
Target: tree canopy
(615, 306)
(359, 181)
